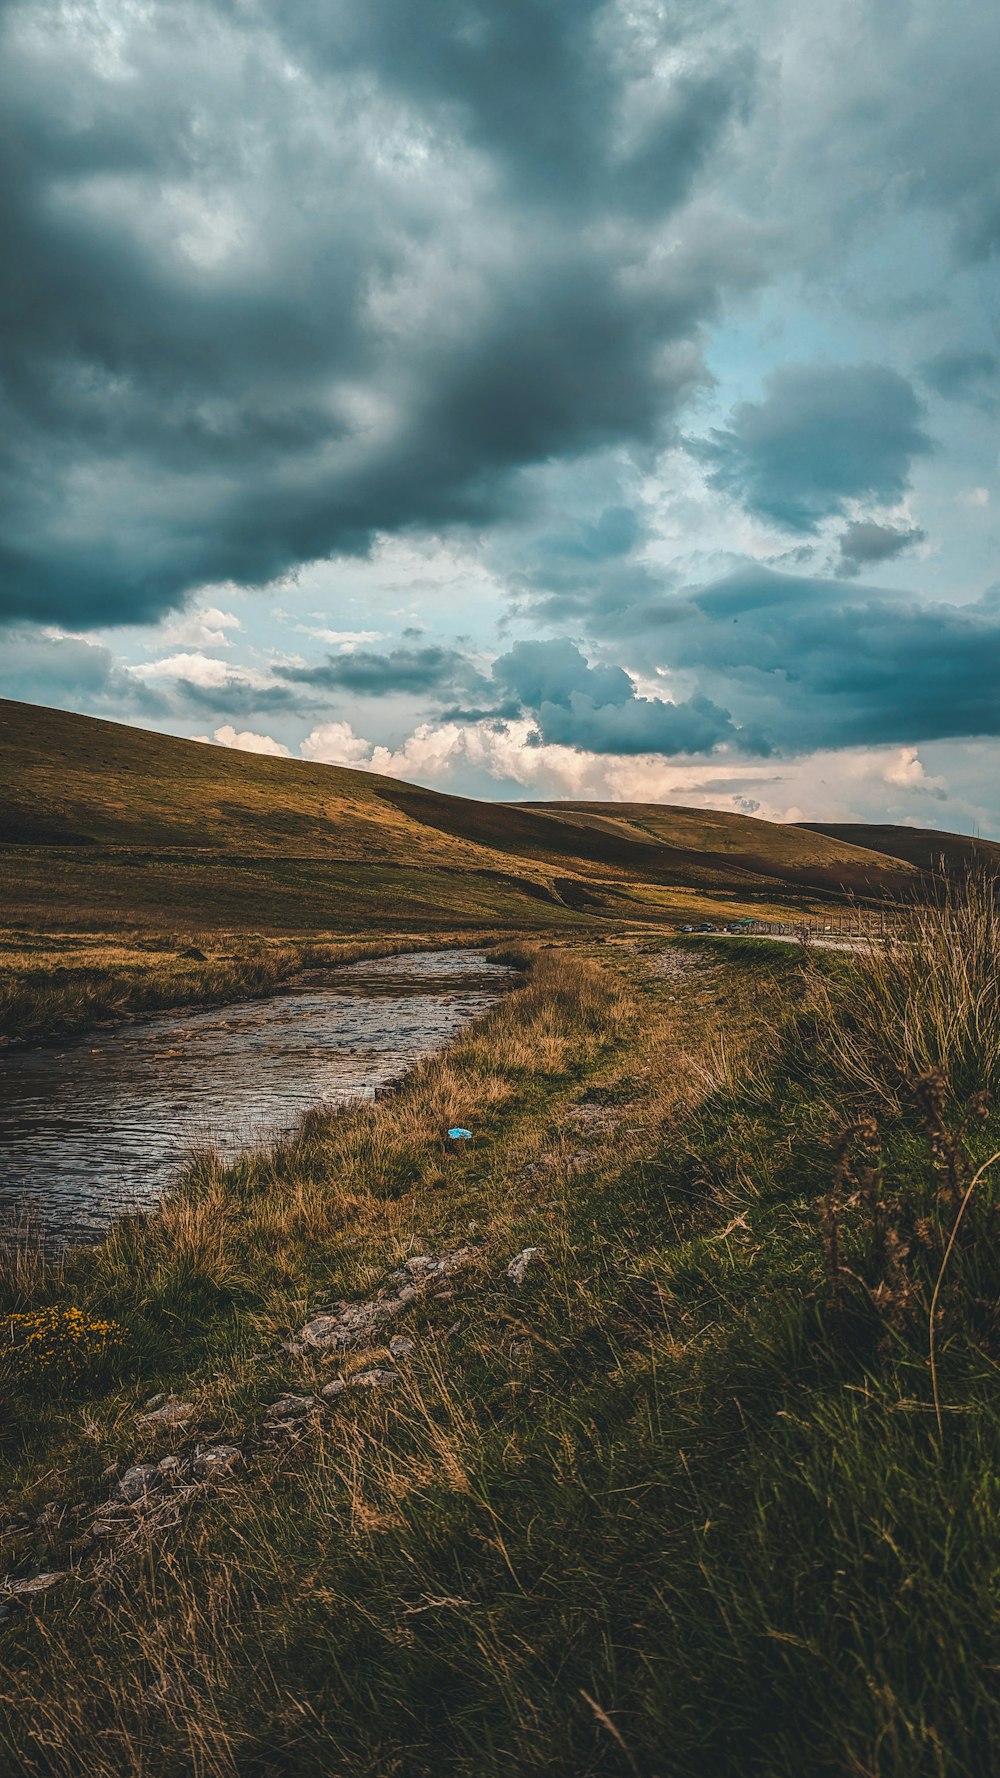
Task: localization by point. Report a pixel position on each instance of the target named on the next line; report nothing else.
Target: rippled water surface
(103, 1125)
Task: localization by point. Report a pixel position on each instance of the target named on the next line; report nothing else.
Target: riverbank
(659, 1485)
(56, 987)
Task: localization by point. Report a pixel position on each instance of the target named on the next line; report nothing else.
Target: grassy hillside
(739, 846)
(707, 1491)
(923, 847)
(100, 820)
(146, 847)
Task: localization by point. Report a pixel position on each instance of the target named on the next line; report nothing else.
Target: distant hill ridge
(287, 835)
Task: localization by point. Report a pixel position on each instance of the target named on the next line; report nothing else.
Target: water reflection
(102, 1125)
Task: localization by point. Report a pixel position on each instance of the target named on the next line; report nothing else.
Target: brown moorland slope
(924, 847)
(730, 843)
(104, 823)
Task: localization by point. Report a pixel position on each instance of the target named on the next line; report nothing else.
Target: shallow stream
(102, 1125)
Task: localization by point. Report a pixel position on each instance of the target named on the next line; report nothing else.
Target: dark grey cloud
(237, 696)
(787, 663)
(823, 435)
(418, 671)
(597, 708)
(69, 672)
(865, 543)
(814, 663)
(966, 375)
(277, 278)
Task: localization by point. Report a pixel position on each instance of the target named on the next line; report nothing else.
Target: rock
(521, 1264)
(155, 1401)
(173, 1413)
(138, 1480)
(168, 1465)
(291, 1407)
(195, 955)
(214, 1460)
(373, 1379)
(400, 1346)
(25, 1589)
(360, 1324)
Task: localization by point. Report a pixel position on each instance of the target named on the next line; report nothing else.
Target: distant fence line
(837, 926)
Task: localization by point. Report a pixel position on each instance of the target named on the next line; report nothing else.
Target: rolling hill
(924, 847)
(103, 824)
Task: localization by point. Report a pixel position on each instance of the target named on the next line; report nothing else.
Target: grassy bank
(688, 1499)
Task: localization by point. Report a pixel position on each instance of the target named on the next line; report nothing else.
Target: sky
(528, 398)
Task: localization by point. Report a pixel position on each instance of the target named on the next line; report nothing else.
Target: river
(102, 1125)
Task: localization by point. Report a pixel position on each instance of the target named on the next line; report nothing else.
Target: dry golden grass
(645, 1507)
(326, 1214)
(925, 999)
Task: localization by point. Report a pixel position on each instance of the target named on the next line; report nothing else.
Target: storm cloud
(864, 542)
(814, 663)
(281, 277)
(597, 708)
(822, 436)
(440, 671)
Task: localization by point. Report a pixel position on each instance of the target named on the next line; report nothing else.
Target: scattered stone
(138, 1480)
(49, 1515)
(172, 1413)
(169, 1465)
(25, 1589)
(213, 1460)
(521, 1264)
(400, 1346)
(359, 1324)
(291, 1407)
(155, 1401)
(195, 955)
(373, 1379)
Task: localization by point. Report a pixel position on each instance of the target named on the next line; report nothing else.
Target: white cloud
(200, 669)
(346, 640)
(836, 785)
(202, 629)
(246, 741)
(905, 769)
(336, 744)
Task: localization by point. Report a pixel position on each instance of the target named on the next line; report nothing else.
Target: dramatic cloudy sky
(527, 397)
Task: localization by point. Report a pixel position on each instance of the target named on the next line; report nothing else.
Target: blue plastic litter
(459, 1135)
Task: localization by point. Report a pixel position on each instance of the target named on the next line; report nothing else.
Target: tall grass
(924, 1001)
(654, 1513)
